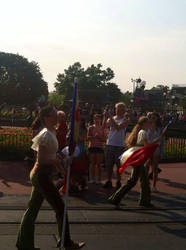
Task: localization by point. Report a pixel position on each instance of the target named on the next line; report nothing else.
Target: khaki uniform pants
(137, 173)
(42, 188)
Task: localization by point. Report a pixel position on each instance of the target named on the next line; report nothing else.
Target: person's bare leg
(92, 159)
(99, 160)
(155, 172)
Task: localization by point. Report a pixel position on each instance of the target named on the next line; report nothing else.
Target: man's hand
(105, 114)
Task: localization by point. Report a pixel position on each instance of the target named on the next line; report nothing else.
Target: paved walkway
(14, 179)
(94, 220)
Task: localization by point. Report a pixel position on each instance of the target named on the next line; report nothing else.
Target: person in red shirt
(61, 129)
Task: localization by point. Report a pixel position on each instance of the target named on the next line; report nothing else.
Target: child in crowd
(79, 167)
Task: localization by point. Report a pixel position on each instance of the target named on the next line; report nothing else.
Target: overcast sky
(145, 38)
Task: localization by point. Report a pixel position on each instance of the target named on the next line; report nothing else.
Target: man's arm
(106, 120)
(120, 126)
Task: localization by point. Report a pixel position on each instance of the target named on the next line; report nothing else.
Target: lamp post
(168, 106)
(176, 106)
(164, 101)
(132, 102)
(173, 98)
(136, 82)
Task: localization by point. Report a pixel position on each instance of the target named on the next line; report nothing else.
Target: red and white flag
(136, 156)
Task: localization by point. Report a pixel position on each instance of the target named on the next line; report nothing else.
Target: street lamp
(176, 105)
(135, 82)
(168, 106)
(164, 101)
(131, 101)
(173, 98)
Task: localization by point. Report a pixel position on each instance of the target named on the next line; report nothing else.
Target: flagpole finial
(75, 79)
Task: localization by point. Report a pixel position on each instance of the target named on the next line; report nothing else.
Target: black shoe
(108, 184)
(72, 245)
(118, 184)
(116, 204)
(75, 245)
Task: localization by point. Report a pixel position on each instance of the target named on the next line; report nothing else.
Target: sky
(135, 38)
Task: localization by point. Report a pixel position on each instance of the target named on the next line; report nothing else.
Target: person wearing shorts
(115, 143)
(96, 138)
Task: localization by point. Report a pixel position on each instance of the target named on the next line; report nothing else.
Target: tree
(55, 98)
(94, 84)
(21, 82)
(183, 104)
(127, 97)
(162, 87)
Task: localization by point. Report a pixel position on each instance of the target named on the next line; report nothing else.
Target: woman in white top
(46, 146)
(137, 138)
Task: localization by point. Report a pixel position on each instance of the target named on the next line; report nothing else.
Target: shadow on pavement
(167, 201)
(172, 183)
(17, 172)
(95, 194)
(181, 232)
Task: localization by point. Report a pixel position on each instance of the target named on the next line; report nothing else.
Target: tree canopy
(94, 84)
(55, 98)
(21, 82)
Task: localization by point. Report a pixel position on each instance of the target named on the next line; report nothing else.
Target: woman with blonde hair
(137, 139)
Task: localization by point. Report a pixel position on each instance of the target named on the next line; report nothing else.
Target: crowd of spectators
(98, 146)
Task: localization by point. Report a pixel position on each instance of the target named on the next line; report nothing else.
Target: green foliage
(183, 104)
(94, 84)
(55, 99)
(160, 86)
(21, 82)
(127, 97)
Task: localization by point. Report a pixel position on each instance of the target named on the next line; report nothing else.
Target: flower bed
(14, 142)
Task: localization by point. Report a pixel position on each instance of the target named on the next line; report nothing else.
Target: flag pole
(68, 165)
(68, 162)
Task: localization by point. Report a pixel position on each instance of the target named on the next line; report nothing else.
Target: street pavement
(94, 220)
